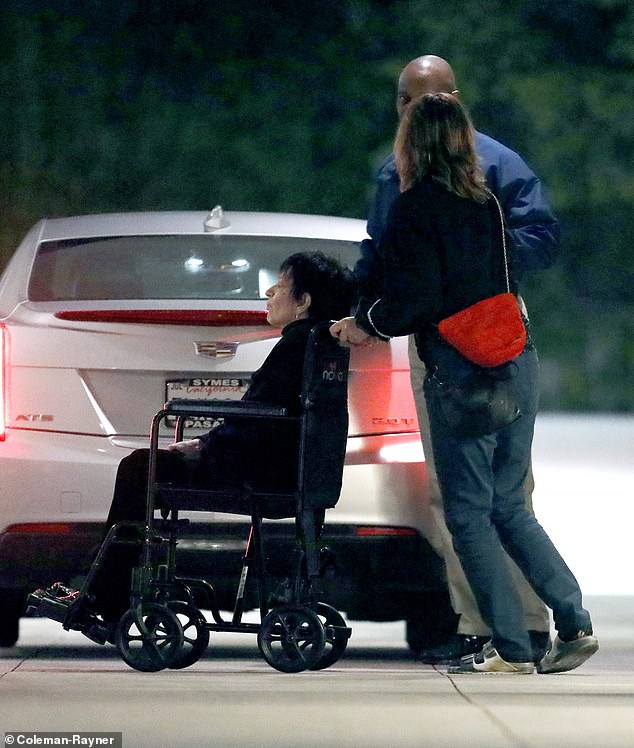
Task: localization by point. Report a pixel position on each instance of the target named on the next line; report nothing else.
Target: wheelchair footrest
(69, 612)
(42, 605)
(97, 632)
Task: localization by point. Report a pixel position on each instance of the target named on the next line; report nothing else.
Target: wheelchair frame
(164, 626)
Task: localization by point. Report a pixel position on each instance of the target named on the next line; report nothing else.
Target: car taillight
(374, 531)
(4, 363)
(202, 317)
(407, 451)
(41, 528)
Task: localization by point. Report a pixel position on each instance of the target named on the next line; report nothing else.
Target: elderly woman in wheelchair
(278, 452)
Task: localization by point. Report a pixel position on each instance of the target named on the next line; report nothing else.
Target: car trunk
(108, 378)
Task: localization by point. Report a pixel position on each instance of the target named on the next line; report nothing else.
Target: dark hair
(436, 138)
(330, 284)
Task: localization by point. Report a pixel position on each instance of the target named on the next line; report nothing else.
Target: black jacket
(442, 253)
(264, 452)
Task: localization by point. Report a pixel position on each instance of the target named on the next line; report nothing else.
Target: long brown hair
(436, 138)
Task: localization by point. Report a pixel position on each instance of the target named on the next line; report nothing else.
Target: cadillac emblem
(215, 349)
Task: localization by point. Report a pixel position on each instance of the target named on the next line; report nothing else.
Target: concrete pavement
(374, 696)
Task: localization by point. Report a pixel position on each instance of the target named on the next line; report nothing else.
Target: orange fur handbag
(491, 332)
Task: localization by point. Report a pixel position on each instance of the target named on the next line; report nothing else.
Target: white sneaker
(564, 656)
(489, 661)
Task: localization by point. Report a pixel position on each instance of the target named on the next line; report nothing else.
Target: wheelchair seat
(323, 429)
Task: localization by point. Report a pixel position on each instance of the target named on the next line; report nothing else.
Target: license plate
(230, 387)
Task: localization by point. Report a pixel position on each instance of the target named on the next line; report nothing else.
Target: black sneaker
(461, 645)
(540, 643)
(453, 649)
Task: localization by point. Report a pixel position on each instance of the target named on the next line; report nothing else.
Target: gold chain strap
(506, 265)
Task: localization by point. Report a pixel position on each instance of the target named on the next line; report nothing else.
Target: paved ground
(374, 696)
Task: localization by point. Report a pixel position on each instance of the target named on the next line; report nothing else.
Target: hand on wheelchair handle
(346, 330)
(189, 447)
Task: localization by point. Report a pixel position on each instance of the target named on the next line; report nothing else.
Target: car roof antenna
(216, 220)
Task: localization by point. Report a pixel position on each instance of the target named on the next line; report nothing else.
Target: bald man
(536, 236)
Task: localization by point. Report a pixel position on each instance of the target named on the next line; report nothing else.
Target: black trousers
(111, 586)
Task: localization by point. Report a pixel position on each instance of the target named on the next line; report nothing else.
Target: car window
(168, 267)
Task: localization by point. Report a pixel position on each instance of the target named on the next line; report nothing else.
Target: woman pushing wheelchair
(444, 251)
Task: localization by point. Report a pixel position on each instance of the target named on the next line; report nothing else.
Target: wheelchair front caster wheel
(337, 635)
(291, 638)
(149, 637)
(195, 635)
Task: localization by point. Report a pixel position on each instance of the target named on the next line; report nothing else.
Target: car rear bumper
(371, 572)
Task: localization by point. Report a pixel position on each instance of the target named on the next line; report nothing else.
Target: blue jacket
(533, 226)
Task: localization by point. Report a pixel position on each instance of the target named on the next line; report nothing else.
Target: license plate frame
(227, 386)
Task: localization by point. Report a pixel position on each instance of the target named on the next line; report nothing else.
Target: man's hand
(188, 448)
(347, 331)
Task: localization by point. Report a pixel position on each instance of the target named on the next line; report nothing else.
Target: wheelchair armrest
(223, 408)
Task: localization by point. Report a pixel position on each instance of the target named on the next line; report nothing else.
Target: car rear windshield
(168, 267)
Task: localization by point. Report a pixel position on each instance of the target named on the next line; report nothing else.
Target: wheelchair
(165, 626)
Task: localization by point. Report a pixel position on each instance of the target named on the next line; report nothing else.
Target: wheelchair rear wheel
(149, 637)
(337, 635)
(291, 638)
(195, 635)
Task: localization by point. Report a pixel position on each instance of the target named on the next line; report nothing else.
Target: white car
(105, 317)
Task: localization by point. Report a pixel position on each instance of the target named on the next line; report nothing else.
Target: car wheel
(432, 623)
(13, 602)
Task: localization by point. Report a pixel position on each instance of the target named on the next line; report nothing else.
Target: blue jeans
(482, 479)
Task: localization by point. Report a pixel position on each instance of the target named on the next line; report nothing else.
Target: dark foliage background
(131, 105)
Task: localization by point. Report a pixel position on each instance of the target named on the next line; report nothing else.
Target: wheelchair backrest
(325, 418)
